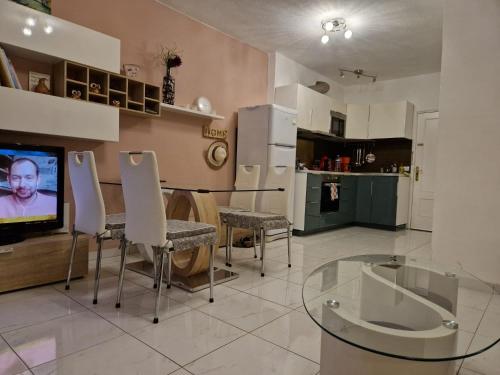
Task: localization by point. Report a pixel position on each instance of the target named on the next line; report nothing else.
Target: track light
(358, 73)
(342, 75)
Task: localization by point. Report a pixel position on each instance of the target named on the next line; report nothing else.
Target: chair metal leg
(211, 266)
(97, 268)
(169, 269)
(155, 267)
(124, 245)
(72, 258)
(255, 244)
(227, 244)
(289, 238)
(262, 249)
(230, 237)
(160, 282)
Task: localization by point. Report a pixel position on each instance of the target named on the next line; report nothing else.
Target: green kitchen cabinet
(376, 200)
(364, 199)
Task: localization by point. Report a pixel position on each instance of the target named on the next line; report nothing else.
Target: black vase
(168, 88)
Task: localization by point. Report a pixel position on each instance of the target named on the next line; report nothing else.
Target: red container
(345, 163)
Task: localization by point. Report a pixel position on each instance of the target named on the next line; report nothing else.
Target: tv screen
(31, 188)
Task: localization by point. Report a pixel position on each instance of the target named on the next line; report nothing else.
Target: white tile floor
(256, 325)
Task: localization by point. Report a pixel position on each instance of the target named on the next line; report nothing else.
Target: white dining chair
(275, 212)
(90, 212)
(146, 222)
(247, 178)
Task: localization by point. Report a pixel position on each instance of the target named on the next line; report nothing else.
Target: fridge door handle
(282, 145)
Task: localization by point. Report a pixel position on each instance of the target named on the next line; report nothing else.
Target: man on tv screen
(25, 202)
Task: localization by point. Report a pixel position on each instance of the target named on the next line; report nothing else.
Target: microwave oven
(337, 124)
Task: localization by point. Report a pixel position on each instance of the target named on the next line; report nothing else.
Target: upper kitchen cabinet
(338, 106)
(357, 123)
(313, 108)
(384, 120)
(391, 120)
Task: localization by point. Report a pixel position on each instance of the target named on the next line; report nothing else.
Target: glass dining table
(189, 268)
(391, 314)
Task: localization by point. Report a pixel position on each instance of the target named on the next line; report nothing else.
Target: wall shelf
(188, 111)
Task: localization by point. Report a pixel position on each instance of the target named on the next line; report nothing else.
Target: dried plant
(170, 57)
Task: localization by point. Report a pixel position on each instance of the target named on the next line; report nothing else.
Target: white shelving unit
(30, 112)
(189, 112)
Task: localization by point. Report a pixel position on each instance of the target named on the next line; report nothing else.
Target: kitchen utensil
(370, 157)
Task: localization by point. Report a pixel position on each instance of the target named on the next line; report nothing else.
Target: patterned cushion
(115, 221)
(191, 242)
(254, 220)
(177, 229)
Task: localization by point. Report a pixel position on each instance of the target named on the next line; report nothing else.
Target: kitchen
(352, 161)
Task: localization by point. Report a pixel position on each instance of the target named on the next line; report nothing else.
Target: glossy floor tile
(59, 337)
(257, 325)
(251, 355)
(123, 355)
(245, 311)
(188, 336)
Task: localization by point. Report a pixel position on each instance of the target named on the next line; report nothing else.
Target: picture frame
(34, 79)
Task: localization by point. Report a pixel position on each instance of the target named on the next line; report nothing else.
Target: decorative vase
(168, 89)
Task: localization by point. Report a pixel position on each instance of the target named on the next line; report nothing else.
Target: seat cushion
(115, 221)
(177, 229)
(254, 220)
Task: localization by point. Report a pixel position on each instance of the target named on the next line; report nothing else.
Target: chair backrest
(144, 207)
(90, 213)
(279, 202)
(247, 177)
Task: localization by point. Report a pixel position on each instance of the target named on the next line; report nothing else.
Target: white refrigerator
(267, 135)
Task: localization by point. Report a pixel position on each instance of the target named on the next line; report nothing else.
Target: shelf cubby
(135, 92)
(98, 98)
(152, 92)
(121, 97)
(100, 78)
(152, 106)
(117, 83)
(75, 85)
(77, 72)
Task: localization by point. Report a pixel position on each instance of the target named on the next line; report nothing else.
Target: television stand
(10, 239)
(41, 260)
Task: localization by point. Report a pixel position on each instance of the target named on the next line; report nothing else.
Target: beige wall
(467, 205)
(231, 74)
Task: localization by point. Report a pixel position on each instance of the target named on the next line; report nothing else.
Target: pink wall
(231, 74)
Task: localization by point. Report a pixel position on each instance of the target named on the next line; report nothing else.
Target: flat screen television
(31, 190)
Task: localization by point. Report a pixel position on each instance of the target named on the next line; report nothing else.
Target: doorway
(424, 171)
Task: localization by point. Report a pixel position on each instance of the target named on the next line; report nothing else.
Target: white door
(424, 171)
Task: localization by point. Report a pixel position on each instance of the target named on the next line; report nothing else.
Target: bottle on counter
(338, 163)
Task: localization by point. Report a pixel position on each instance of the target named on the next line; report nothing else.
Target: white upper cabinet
(384, 120)
(313, 109)
(391, 120)
(357, 121)
(67, 41)
(339, 106)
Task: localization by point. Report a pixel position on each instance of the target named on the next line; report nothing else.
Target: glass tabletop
(400, 306)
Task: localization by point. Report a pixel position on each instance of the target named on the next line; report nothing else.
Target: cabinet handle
(371, 188)
(417, 173)
(315, 187)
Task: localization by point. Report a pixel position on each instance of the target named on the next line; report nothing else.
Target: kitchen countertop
(353, 173)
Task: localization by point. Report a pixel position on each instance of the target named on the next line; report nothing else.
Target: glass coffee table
(387, 314)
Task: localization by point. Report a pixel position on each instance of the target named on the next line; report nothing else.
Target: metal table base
(192, 283)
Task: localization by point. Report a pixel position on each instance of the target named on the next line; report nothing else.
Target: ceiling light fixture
(30, 22)
(27, 31)
(48, 29)
(334, 25)
(358, 73)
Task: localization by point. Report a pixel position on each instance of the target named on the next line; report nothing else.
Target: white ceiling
(391, 38)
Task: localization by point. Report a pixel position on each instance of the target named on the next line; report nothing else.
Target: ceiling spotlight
(48, 29)
(328, 25)
(358, 73)
(27, 31)
(348, 34)
(324, 39)
(30, 21)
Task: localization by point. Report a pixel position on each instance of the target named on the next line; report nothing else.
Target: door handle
(417, 173)
(371, 188)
